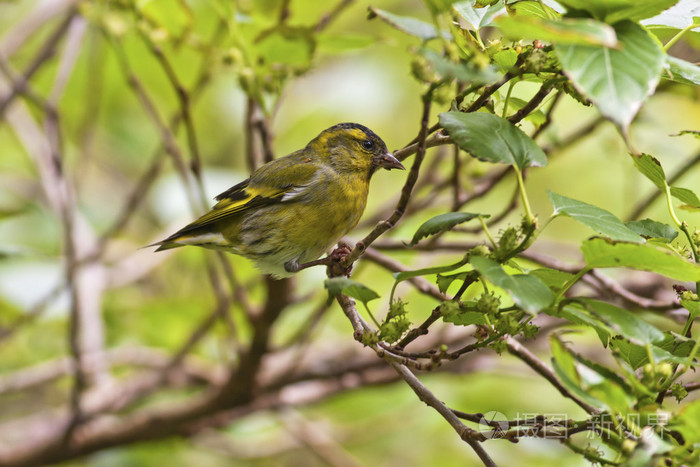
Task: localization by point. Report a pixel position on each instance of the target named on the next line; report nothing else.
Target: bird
(293, 209)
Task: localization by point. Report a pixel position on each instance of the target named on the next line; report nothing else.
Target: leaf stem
(374, 320)
(511, 85)
(681, 225)
(680, 34)
(571, 282)
(523, 195)
(669, 205)
(486, 231)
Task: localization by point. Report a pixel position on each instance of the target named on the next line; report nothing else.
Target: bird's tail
(166, 244)
(193, 235)
(173, 241)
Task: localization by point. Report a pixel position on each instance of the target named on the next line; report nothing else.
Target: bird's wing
(264, 188)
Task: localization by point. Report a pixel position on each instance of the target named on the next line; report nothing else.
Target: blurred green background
(360, 72)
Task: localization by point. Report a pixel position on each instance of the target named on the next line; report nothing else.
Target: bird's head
(354, 147)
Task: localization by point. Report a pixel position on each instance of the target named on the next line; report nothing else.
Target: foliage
(495, 82)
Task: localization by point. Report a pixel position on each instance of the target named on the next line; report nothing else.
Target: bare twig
(532, 104)
(405, 191)
(517, 349)
(464, 432)
(47, 50)
(329, 17)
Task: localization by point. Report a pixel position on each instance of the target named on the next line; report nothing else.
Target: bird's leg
(294, 266)
(332, 261)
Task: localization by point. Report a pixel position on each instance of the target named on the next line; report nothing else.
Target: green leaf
(564, 359)
(649, 228)
(492, 139)
(679, 16)
(444, 282)
(412, 26)
(351, 288)
(651, 168)
(477, 18)
(534, 8)
(598, 385)
(693, 307)
(687, 422)
(442, 223)
(553, 278)
(578, 316)
(602, 253)
(171, 15)
(612, 11)
(610, 375)
(624, 322)
(405, 275)
(618, 80)
(565, 369)
(528, 292)
(681, 71)
(505, 59)
(561, 31)
(594, 217)
(637, 356)
(687, 196)
(289, 46)
(678, 345)
(463, 72)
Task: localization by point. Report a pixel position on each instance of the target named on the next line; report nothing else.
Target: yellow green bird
(293, 209)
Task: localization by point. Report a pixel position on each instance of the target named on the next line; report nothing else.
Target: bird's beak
(388, 162)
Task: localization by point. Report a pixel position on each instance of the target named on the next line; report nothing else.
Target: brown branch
(532, 104)
(382, 227)
(51, 371)
(456, 174)
(253, 156)
(484, 186)
(517, 349)
(21, 32)
(550, 114)
(329, 17)
(165, 132)
(630, 297)
(464, 432)
(437, 139)
(47, 51)
(316, 439)
(186, 418)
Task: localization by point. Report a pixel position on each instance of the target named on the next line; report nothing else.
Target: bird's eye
(368, 144)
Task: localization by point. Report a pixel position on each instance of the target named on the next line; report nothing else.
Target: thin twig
(425, 395)
(405, 191)
(518, 350)
(329, 17)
